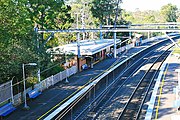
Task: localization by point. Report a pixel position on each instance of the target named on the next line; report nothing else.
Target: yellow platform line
(161, 88)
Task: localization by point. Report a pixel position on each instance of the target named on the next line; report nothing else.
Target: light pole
(26, 107)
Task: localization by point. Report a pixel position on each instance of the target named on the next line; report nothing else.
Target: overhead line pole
(115, 28)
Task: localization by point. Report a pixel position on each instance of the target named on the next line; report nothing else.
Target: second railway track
(130, 90)
(110, 95)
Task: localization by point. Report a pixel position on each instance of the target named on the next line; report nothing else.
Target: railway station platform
(163, 103)
(56, 95)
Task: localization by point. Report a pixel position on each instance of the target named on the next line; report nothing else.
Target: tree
(16, 45)
(17, 40)
(104, 10)
(50, 14)
(169, 13)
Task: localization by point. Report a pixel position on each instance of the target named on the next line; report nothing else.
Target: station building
(91, 52)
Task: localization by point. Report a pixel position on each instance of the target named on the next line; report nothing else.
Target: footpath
(54, 96)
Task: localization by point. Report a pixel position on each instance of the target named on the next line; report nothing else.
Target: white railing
(46, 83)
(50, 81)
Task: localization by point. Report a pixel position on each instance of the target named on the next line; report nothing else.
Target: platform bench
(6, 109)
(85, 67)
(34, 93)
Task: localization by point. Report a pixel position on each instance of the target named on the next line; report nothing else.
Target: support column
(114, 44)
(78, 50)
(148, 35)
(12, 96)
(100, 32)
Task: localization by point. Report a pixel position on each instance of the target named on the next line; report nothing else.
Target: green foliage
(55, 69)
(16, 45)
(169, 13)
(18, 42)
(30, 81)
(140, 16)
(104, 10)
(50, 14)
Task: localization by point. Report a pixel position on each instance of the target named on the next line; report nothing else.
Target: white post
(52, 79)
(61, 76)
(77, 21)
(148, 35)
(66, 81)
(78, 50)
(26, 107)
(39, 79)
(83, 22)
(78, 44)
(12, 90)
(39, 76)
(114, 44)
(24, 82)
(100, 32)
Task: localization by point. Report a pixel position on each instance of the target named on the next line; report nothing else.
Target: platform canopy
(87, 47)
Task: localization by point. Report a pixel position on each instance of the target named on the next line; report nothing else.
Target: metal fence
(6, 92)
(50, 81)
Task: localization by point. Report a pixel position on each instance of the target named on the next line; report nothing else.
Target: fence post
(12, 97)
(52, 79)
(60, 76)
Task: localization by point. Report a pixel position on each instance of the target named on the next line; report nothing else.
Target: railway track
(97, 105)
(136, 99)
(132, 108)
(109, 94)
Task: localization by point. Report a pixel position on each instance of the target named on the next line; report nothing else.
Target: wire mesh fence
(17, 97)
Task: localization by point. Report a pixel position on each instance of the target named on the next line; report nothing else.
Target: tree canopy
(18, 18)
(169, 13)
(104, 10)
(18, 43)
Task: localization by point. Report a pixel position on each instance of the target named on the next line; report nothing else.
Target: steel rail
(146, 93)
(97, 113)
(73, 94)
(102, 94)
(74, 103)
(134, 92)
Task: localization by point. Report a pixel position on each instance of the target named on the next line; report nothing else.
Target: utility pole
(82, 18)
(77, 20)
(117, 8)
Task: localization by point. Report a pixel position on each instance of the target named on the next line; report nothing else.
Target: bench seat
(34, 93)
(7, 109)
